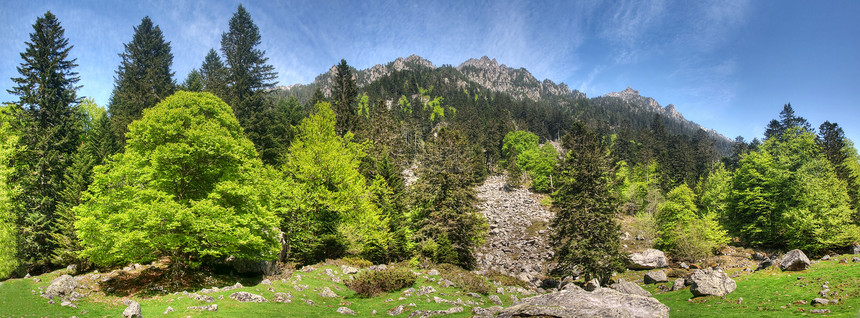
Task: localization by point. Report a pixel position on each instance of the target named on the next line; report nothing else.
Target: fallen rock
(819, 311)
(819, 301)
(590, 285)
(765, 264)
(67, 303)
(433, 272)
(825, 258)
(647, 259)
(678, 284)
(602, 302)
(212, 307)
(428, 313)
(133, 309)
(425, 290)
(266, 282)
(61, 286)
(246, 297)
(794, 260)
(496, 300)
(656, 277)
(396, 311)
(283, 298)
(630, 288)
(205, 298)
(855, 259)
(348, 270)
(345, 311)
(168, 310)
(326, 292)
(711, 282)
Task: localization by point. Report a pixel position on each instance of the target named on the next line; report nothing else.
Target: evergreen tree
(446, 200)
(213, 74)
(248, 76)
(192, 83)
(8, 230)
(143, 78)
(343, 95)
(586, 230)
(97, 143)
(49, 135)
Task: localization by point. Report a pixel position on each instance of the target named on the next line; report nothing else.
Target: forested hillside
(227, 169)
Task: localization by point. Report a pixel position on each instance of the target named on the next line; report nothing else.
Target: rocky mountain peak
(517, 82)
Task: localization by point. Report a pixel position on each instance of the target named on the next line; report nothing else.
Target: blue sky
(728, 65)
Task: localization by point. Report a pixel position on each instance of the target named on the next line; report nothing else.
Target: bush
(468, 281)
(372, 283)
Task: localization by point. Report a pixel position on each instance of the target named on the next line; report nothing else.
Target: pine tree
(143, 77)
(343, 95)
(248, 76)
(49, 133)
(586, 230)
(214, 75)
(192, 83)
(446, 198)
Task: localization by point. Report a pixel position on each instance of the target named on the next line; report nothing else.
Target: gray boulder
(326, 292)
(345, 311)
(212, 307)
(61, 287)
(678, 284)
(647, 259)
(765, 264)
(348, 270)
(854, 249)
(656, 277)
(630, 288)
(133, 309)
(246, 297)
(496, 300)
(794, 260)
(602, 302)
(711, 282)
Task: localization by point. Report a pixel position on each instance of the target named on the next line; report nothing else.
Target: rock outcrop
(517, 82)
(656, 277)
(602, 302)
(517, 243)
(630, 288)
(794, 260)
(647, 259)
(706, 282)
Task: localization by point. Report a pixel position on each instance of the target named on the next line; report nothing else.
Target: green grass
(20, 298)
(766, 292)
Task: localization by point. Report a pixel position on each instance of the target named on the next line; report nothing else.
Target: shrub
(372, 283)
(468, 281)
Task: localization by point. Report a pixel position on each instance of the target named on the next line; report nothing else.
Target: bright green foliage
(143, 78)
(364, 106)
(405, 106)
(193, 83)
(586, 209)
(851, 165)
(8, 231)
(49, 131)
(540, 164)
(517, 142)
(446, 201)
(685, 231)
(329, 209)
(714, 192)
(97, 143)
(787, 195)
(437, 111)
(639, 187)
(188, 186)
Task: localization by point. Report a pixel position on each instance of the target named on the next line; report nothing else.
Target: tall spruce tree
(248, 76)
(344, 94)
(214, 75)
(143, 78)
(586, 230)
(47, 93)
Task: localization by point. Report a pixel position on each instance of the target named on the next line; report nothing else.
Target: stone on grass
(396, 311)
(630, 288)
(429, 313)
(348, 270)
(714, 282)
(133, 309)
(819, 311)
(433, 272)
(496, 300)
(819, 301)
(647, 259)
(247, 297)
(266, 282)
(212, 307)
(327, 293)
(678, 284)
(794, 260)
(602, 302)
(825, 258)
(168, 310)
(345, 311)
(656, 277)
(61, 286)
